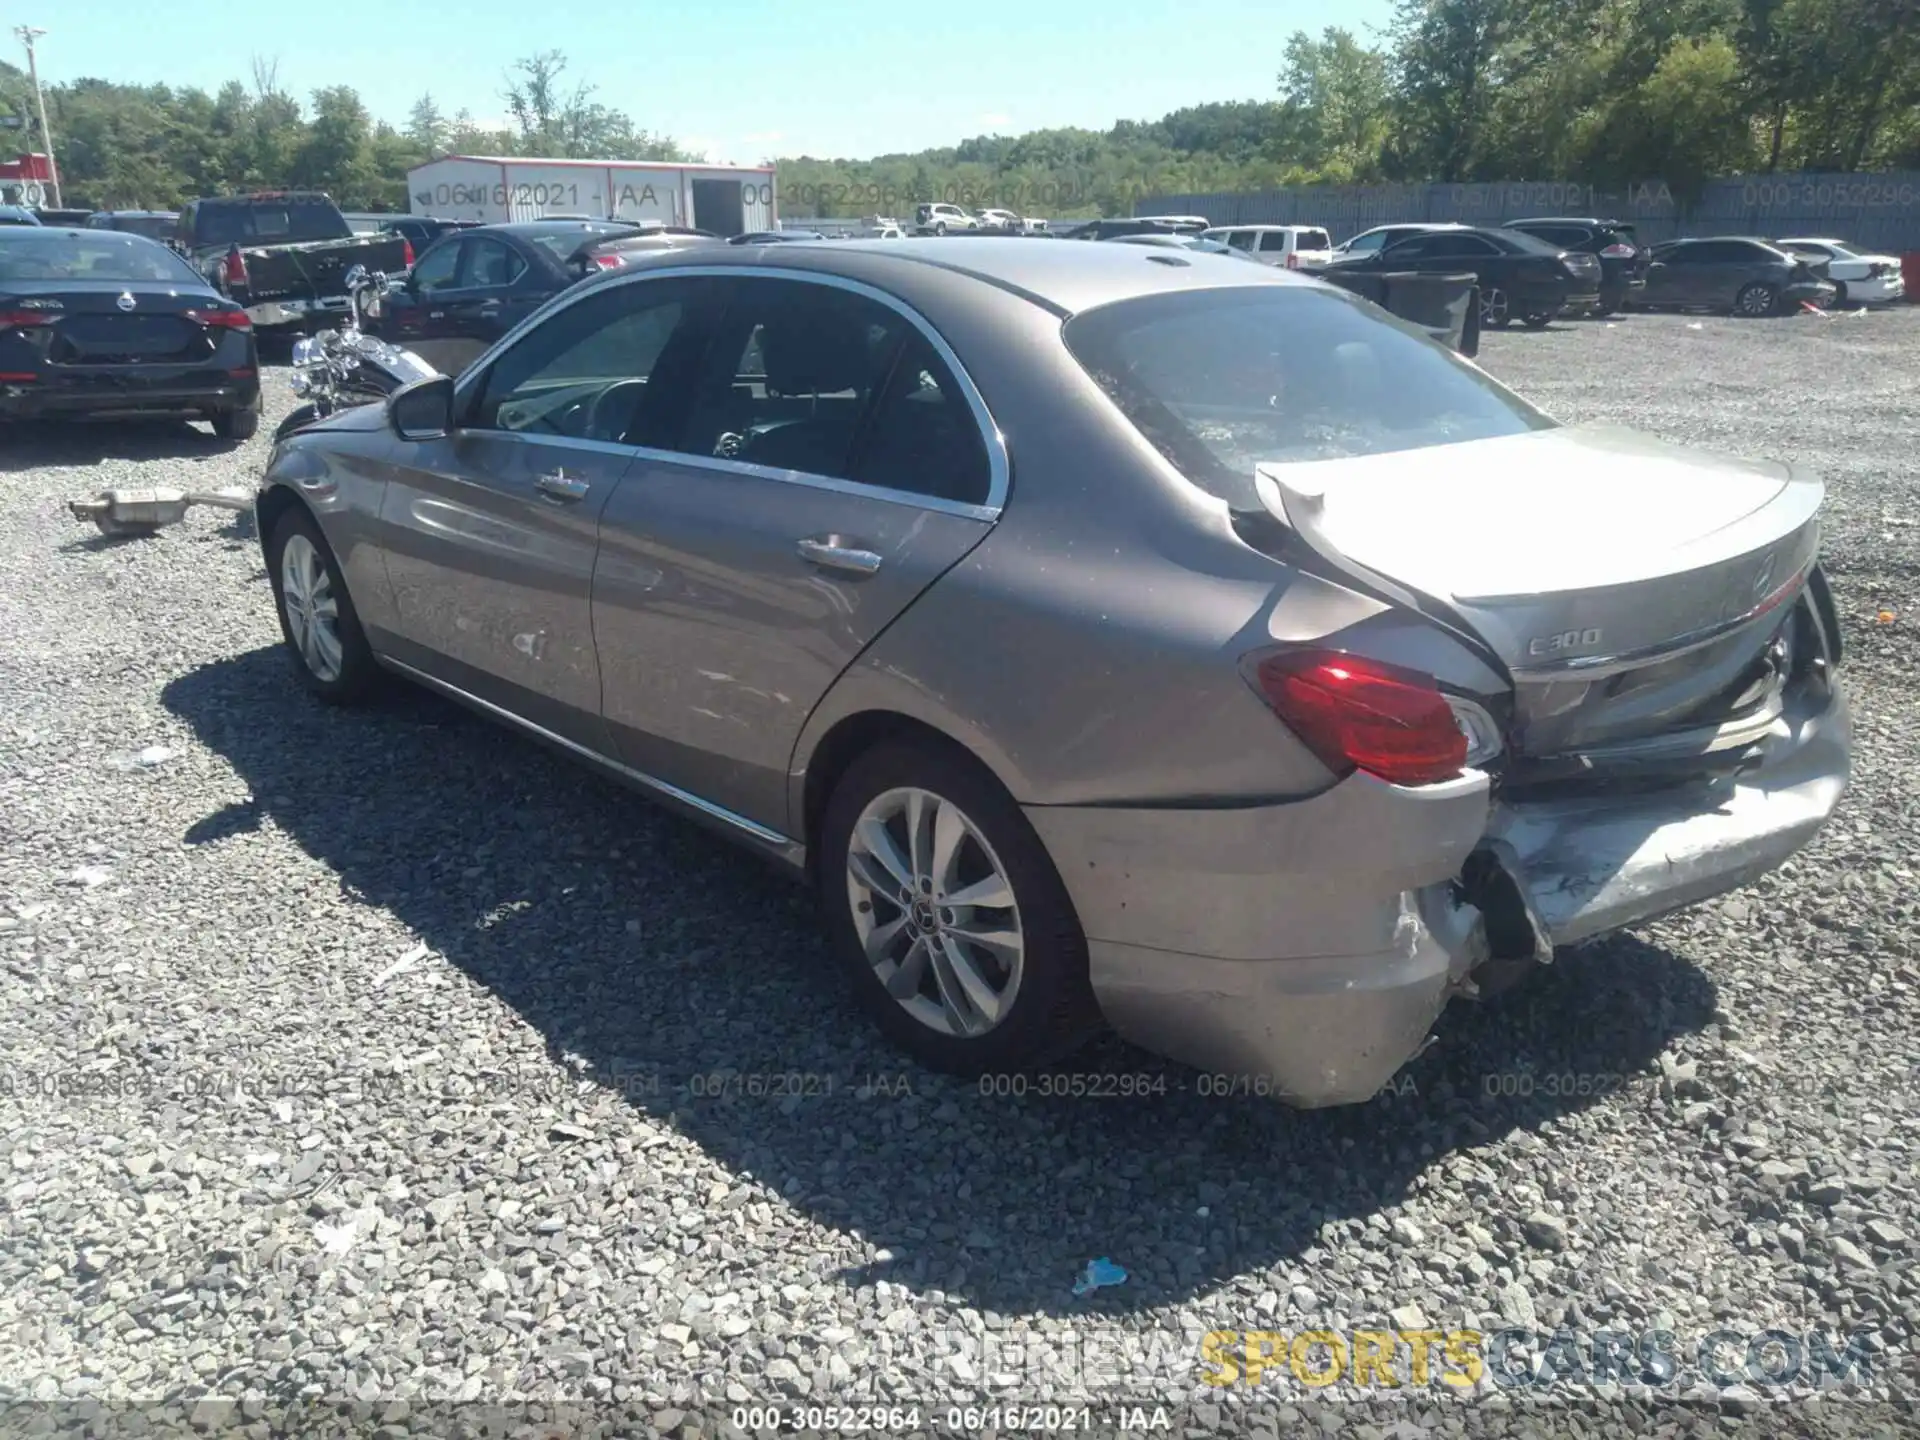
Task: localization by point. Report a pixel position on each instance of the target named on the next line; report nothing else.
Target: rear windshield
(1528, 244)
(1313, 240)
(61, 255)
(269, 223)
(1223, 380)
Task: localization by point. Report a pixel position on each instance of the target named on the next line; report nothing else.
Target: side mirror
(422, 410)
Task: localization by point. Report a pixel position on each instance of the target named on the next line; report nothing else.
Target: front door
(495, 290)
(832, 466)
(491, 532)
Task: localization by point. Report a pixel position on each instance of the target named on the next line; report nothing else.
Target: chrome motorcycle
(337, 369)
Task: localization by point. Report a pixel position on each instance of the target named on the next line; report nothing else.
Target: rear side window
(1273, 242)
(1220, 381)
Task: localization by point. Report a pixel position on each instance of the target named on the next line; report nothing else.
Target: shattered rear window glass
(1223, 380)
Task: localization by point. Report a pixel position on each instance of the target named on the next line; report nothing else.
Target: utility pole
(27, 36)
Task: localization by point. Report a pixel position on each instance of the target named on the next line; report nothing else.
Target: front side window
(1367, 244)
(435, 269)
(585, 371)
(491, 265)
(1223, 380)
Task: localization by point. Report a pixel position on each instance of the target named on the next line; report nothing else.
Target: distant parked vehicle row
(1294, 247)
(1520, 276)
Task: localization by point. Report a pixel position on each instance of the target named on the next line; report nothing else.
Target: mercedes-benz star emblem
(126, 301)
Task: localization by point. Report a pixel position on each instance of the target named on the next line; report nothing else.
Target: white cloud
(997, 121)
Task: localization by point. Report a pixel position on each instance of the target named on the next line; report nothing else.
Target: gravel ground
(383, 1058)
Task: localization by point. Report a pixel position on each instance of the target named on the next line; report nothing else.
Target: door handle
(561, 486)
(830, 556)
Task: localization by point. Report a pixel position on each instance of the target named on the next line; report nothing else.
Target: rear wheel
(939, 227)
(1495, 311)
(949, 916)
(1756, 300)
(317, 618)
(1839, 292)
(237, 424)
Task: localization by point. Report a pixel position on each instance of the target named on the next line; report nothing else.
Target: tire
(1603, 309)
(1756, 301)
(355, 672)
(940, 227)
(237, 424)
(1495, 310)
(1839, 293)
(299, 419)
(1049, 1009)
(1537, 322)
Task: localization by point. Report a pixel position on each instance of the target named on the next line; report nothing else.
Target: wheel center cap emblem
(126, 300)
(923, 914)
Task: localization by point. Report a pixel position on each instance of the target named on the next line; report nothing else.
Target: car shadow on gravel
(64, 444)
(665, 963)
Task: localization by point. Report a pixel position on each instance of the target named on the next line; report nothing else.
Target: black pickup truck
(284, 255)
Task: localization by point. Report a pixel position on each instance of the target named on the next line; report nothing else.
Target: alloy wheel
(1493, 306)
(312, 609)
(1756, 301)
(935, 912)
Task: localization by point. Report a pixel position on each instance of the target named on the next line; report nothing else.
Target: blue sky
(742, 79)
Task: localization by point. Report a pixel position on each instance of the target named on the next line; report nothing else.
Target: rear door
(833, 463)
(495, 290)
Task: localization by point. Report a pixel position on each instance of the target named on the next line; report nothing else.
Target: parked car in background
(1623, 259)
(1732, 274)
(1296, 247)
(422, 230)
(154, 224)
(471, 286)
(1520, 278)
(1202, 243)
(17, 215)
(101, 323)
(1263, 795)
(995, 219)
(1137, 225)
(62, 219)
(1857, 277)
(774, 237)
(1369, 242)
(939, 218)
(284, 255)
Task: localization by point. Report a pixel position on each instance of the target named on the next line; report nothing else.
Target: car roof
(1565, 220)
(1065, 278)
(531, 228)
(1267, 227)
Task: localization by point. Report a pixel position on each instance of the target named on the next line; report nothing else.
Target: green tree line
(1599, 91)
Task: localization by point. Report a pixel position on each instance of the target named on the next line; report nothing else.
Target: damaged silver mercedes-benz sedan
(1107, 634)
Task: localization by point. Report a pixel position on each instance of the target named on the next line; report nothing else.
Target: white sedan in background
(1863, 279)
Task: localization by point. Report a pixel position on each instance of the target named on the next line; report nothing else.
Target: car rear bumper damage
(273, 314)
(1313, 943)
(122, 394)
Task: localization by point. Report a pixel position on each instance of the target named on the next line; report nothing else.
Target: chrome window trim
(999, 464)
(782, 846)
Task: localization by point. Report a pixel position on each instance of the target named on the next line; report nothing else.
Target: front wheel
(1756, 300)
(959, 937)
(317, 619)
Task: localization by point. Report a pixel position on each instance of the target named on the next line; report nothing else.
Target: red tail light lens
(1293, 262)
(221, 319)
(607, 262)
(1356, 714)
(21, 319)
(406, 252)
(1619, 251)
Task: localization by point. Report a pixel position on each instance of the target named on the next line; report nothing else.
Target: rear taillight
(1619, 251)
(22, 319)
(233, 269)
(1293, 262)
(607, 262)
(406, 252)
(1357, 714)
(221, 319)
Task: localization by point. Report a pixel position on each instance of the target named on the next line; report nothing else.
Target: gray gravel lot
(383, 1057)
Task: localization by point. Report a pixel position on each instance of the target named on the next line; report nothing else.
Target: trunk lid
(85, 324)
(1631, 587)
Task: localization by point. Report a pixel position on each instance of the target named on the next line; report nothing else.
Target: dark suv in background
(1623, 259)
